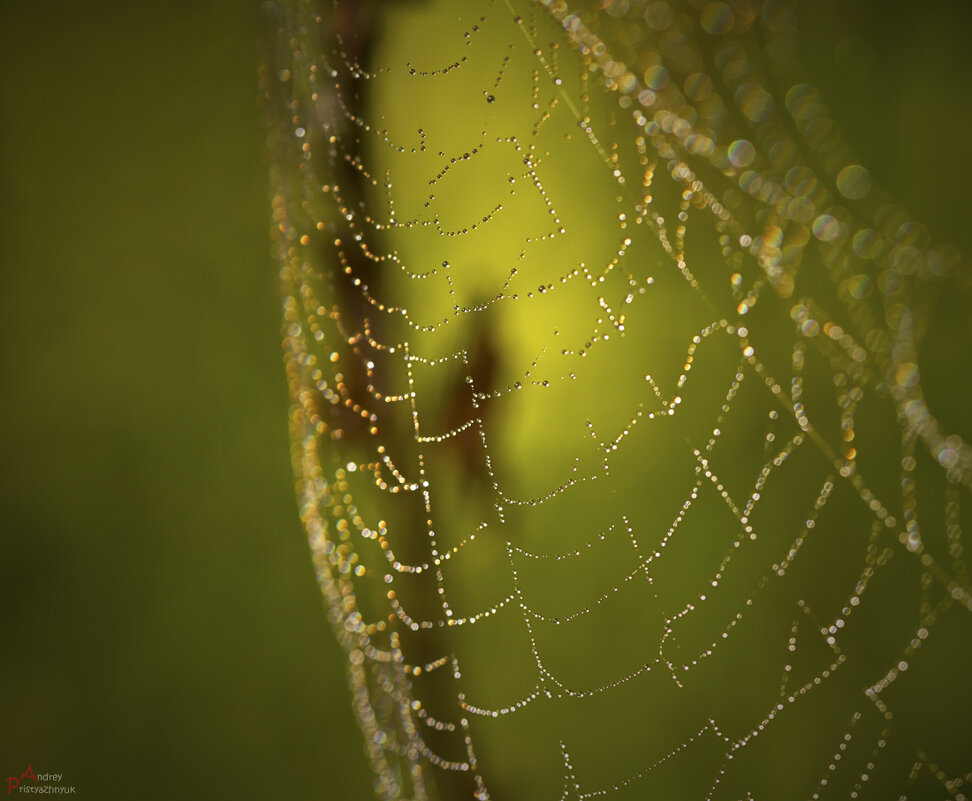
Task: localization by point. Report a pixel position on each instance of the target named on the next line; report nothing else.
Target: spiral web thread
(804, 302)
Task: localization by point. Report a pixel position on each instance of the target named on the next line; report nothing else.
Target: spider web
(612, 444)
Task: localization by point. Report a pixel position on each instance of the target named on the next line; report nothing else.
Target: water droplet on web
(854, 182)
(741, 153)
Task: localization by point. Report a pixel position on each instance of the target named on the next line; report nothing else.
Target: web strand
(604, 353)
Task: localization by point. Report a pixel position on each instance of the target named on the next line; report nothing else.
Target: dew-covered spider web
(621, 474)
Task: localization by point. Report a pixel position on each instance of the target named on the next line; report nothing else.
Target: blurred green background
(161, 629)
(162, 632)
